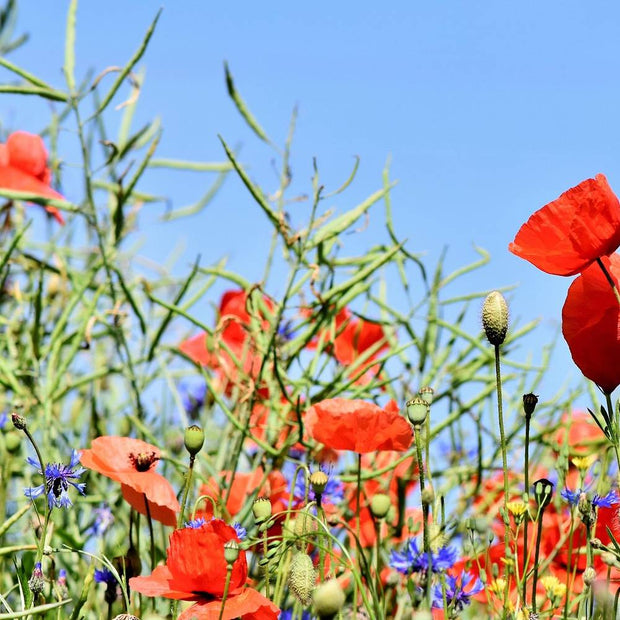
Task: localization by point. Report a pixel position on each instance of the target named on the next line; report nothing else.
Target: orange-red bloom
(591, 324)
(232, 352)
(132, 462)
(23, 168)
(195, 570)
(570, 233)
(354, 337)
(344, 424)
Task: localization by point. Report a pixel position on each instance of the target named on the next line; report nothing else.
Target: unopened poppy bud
(302, 578)
(328, 599)
(426, 394)
(529, 403)
(495, 318)
(596, 543)
(318, 481)
(543, 489)
(380, 505)
(36, 583)
(589, 575)
(231, 551)
(305, 523)
(12, 441)
(194, 439)
(417, 410)
(19, 422)
(261, 509)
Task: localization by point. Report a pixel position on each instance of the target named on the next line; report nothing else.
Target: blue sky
(487, 110)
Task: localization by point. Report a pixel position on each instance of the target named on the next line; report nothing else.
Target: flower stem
(502, 439)
(526, 471)
(417, 435)
(149, 520)
(186, 486)
(226, 586)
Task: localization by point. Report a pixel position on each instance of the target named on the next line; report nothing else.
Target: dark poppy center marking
(143, 460)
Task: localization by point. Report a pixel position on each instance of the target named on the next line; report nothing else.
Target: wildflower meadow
(309, 447)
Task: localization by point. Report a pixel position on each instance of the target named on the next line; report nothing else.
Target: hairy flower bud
(318, 482)
(328, 599)
(380, 505)
(495, 318)
(302, 578)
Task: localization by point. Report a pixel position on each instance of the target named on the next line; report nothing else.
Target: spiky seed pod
(328, 599)
(302, 578)
(495, 318)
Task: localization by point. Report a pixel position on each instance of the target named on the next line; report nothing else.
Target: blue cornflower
(193, 399)
(194, 524)
(58, 479)
(413, 560)
(105, 575)
(241, 531)
(458, 594)
(103, 520)
(287, 614)
(607, 501)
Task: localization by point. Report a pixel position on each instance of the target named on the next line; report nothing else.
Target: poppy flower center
(143, 460)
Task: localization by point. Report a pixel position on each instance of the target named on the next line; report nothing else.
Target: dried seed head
(529, 403)
(302, 578)
(495, 318)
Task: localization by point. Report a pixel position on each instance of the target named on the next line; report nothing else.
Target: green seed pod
(328, 599)
(495, 318)
(417, 410)
(426, 394)
(194, 439)
(305, 523)
(302, 578)
(231, 551)
(261, 508)
(380, 505)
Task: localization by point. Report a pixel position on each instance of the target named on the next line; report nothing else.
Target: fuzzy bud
(305, 523)
(19, 422)
(428, 495)
(194, 439)
(328, 599)
(36, 583)
(302, 578)
(495, 318)
(417, 410)
(380, 505)
(589, 576)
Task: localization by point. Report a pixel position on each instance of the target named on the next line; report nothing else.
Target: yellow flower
(584, 462)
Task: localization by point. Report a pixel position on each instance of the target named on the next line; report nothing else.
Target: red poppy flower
(195, 570)
(23, 168)
(356, 425)
(132, 462)
(232, 352)
(580, 433)
(354, 337)
(570, 233)
(591, 324)
(273, 486)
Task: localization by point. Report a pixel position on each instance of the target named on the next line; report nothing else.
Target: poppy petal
(567, 235)
(248, 604)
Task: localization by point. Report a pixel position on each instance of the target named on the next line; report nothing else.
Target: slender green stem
(417, 435)
(149, 520)
(502, 439)
(609, 279)
(526, 471)
(537, 556)
(226, 587)
(186, 487)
